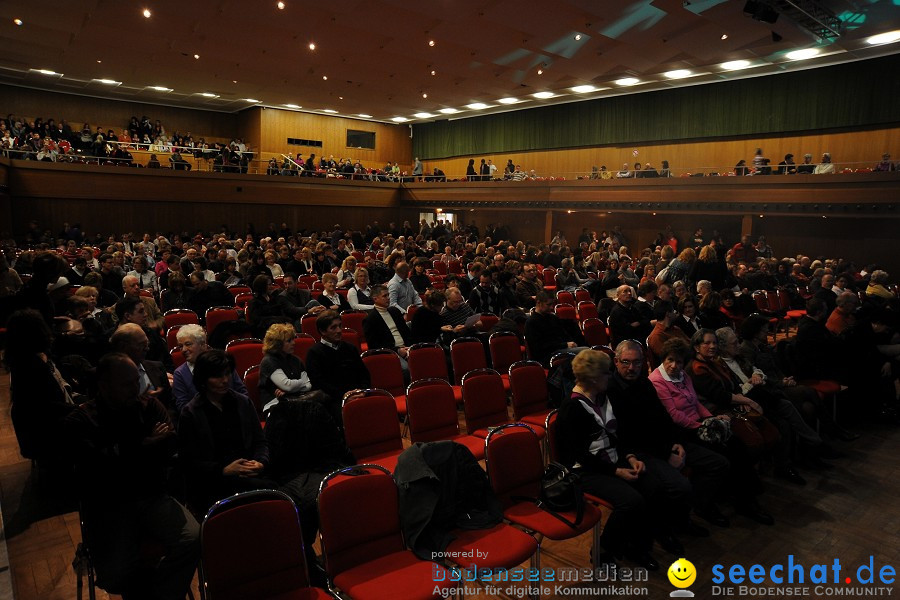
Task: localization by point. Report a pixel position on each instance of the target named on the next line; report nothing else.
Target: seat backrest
(440, 266)
(552, 439)
(302, 343)
(484, 399)
(431, 407)
(351, 337)
(773, 302)
(177, 357)
(385, 371)
(354, 532)
(370, 424)
(246, 353)
(427, 361)
(217, 315)
(549, 275)
(761, 302)
(237, 290)
(251, 381)
(784, 300)
(179, 316)
(506, 349)
(565, 311)
(266, 521)
(582, 295)
(242, 300)
(308, 326)
(515, 462)
(354, 320)
(528, 384)
(455, 267)
(587, 310)
(466, 354)
(595, 333)
(564, 297)
(488, 320)
(172, 336)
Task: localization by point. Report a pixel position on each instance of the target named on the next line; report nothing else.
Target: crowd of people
(52, 141)
(689, 383)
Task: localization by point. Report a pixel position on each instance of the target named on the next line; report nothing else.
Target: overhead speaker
(760, 11)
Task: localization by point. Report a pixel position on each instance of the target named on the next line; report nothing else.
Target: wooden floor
(849, 513)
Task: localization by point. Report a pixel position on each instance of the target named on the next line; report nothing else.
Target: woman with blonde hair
(274, 267)
(360, 295)
(345, 273)
(281, 373)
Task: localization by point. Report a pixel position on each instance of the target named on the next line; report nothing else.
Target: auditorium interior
(555, 89)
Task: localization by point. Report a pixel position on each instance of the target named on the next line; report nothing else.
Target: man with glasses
(644, 426)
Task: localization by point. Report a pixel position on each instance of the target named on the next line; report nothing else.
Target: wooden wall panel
(114, 114)
(392, 142)
(848, 149)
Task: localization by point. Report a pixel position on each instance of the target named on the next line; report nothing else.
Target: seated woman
(687, 322)
(567, 278)
(426, 323)
(711, 316)
(281, 373)
(329, 298)
(345, 273)
(418, 277)
(588, 444)
(264, 309)
(360, 295)
(192, 341)
(677, 394)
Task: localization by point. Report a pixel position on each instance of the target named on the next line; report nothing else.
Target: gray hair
(191, 332)
(879, 276)
(628, 345)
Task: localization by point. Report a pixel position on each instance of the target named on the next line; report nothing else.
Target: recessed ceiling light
(678, 74)
(99, 62)
(508, 100)
(735, 65)
(234, 81)
(626, 81)
(724, 36)
(324, 77)
(196, 57)
(253, 100)
(802, 54)
(147, 13)
(577, 37)
(449, 111)
(884, 38)
(280, 5)
(208, 95)
(423, 115)
(540, 71)
(312, 45)
(47, 72)
(477, 106)
(364, 116)
(329, 111)
(340, 97)
(433, 73)
(583, 89)
(543, 95)
(160, 88)
(424, 95)
(18, 22)
(399, 119)
(293, 106)
(108, 81)
(431, 43)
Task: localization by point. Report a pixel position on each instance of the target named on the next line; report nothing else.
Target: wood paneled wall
(851, 149)
(392, 142)
(114, 114)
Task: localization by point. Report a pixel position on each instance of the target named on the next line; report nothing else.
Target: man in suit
(130, 339)
(294, 301)
(384, 326)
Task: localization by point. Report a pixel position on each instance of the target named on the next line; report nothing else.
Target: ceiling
(373, 57)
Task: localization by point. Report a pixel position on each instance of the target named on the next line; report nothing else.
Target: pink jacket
(680, 400)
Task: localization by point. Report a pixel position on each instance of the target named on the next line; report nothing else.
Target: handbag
(714, 430)
(754, 430)
(561, 491)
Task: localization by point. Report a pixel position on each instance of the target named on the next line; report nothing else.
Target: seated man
(402, 292)
(130, 340)
(545, 333)
(132, 288)
(207, 294)
(122, 447)
(192, 340)
(646, 428)
(384, 326)
(132, 310)
(625, 321)
(296, 302)
(333, 365)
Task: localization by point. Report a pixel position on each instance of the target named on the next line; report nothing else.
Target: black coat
(377, 333)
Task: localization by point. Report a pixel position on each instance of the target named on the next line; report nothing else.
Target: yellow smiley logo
(682, 573)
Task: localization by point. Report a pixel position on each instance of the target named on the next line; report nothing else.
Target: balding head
(130, 339)
(131, 286)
